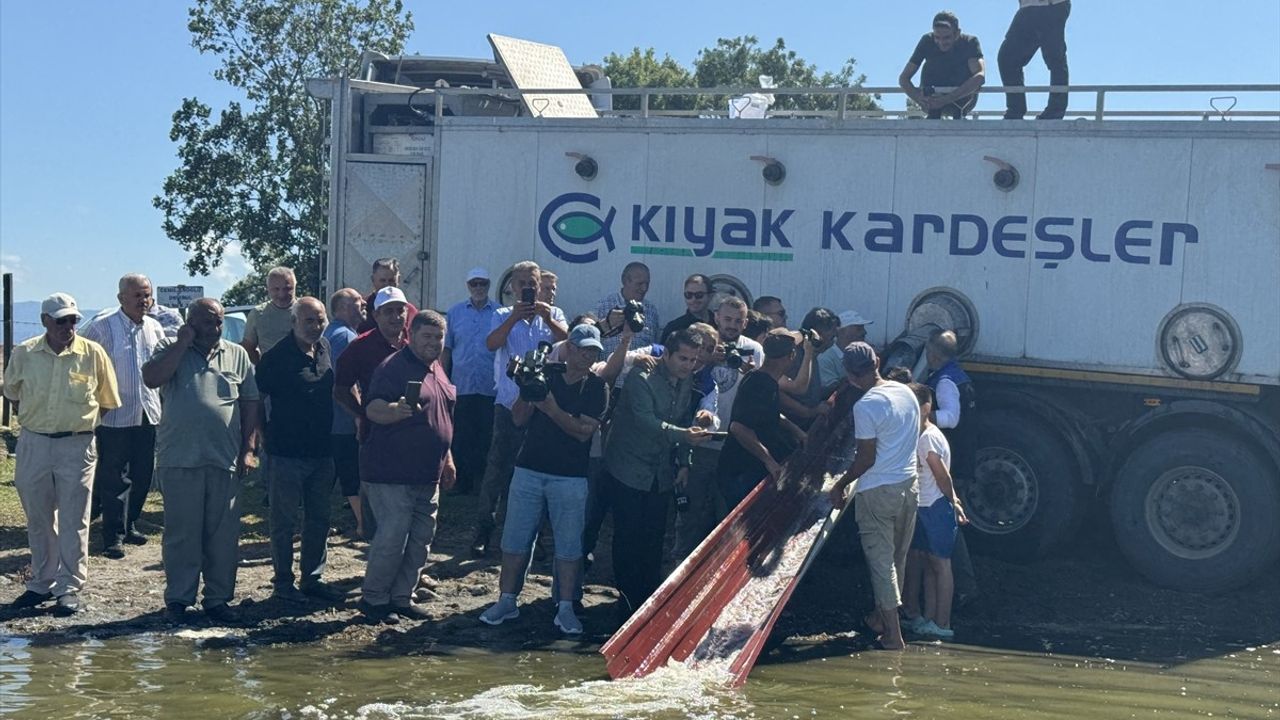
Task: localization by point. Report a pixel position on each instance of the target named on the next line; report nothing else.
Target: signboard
(178, 296)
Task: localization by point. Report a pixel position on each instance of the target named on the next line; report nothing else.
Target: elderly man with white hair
(127, 436)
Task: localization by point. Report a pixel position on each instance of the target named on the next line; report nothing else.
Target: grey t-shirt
(268, 324)
(201, 422)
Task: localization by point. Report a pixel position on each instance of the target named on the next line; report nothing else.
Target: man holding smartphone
(404, 463)
(514, 331)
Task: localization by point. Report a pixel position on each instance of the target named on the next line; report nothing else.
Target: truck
(1112, 282)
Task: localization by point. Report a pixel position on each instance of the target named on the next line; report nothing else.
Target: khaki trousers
(201, 533)
(886, 518)
(54, 479)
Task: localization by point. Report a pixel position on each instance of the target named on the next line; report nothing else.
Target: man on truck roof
(951, 70)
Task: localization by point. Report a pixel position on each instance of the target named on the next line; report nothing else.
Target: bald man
(297, 376)
(202, 451)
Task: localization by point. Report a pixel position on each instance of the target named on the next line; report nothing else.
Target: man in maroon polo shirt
(404, 462)
(364, 354)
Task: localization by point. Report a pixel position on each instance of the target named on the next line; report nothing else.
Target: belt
(60, 435)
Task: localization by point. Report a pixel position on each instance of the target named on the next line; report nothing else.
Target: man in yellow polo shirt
(62, 384)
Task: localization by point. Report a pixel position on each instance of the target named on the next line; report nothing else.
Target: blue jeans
(565, 499)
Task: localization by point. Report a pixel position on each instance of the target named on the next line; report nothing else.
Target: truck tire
(1196, 510)
(1024, 500)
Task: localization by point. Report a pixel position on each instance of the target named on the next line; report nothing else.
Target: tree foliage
(739, 62)
(254, 175)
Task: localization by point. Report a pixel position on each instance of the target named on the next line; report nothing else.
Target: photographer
(515, 330)
(610, 309)
(653, 416)
(805, 396)
(561, 411)
(760, 438)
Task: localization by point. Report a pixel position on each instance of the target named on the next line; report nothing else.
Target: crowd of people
(553, 424)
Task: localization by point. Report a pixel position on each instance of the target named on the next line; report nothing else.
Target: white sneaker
(503, 610)
(567, 620)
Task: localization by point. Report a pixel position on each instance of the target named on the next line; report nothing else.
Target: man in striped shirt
(127, 435)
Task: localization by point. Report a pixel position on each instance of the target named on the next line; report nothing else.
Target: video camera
(530, 373)
(735, 357)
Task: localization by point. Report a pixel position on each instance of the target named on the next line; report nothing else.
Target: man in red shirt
(386, 273)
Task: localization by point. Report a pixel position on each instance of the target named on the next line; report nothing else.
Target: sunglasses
(694, 295)
(67, 320)
(477, 283)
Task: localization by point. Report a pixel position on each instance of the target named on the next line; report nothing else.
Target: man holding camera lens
(612, 309)
(654, 415)
(560, 411)
(404, 463)
(514, 331)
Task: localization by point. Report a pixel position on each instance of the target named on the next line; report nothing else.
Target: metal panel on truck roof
(1235, 201)
(1102, 306)
(542, 67)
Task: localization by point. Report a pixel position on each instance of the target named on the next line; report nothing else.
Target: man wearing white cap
(853, 328)
(61, 383)
(470, 366)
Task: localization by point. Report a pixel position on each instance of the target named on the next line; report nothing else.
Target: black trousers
(639, 524)
(126, 461)
(472, 431)
(1035, 28)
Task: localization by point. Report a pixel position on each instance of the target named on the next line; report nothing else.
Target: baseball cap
(477, 273)
(780, 342)
(586, 335)
(853, 317)
(859, 357)
(59, 305)
(389, 294)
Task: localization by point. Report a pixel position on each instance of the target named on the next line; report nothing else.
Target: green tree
(256, 175)
(642, 69)
(740, 61)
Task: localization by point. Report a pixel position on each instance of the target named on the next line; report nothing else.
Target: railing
(842, 95)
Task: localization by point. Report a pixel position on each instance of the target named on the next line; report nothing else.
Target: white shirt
(129, 346)
(728, 380)
(948, 412)
(889, 414)
(931, 441)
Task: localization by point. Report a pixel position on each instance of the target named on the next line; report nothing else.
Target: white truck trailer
(1115, 284)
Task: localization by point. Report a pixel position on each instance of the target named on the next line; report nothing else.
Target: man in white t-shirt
(886, 425)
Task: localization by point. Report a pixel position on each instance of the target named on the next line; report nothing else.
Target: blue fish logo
(569, 235)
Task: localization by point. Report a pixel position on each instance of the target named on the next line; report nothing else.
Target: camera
(633, 315)
(810, 335)
(530, 373)
(735, 357)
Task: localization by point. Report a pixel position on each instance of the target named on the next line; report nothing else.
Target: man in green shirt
(202, 450)
(654, 416)
(272, 321)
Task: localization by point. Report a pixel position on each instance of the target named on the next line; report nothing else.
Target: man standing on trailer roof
(1038, 25)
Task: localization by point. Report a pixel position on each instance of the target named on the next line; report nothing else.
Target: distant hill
(26, 319)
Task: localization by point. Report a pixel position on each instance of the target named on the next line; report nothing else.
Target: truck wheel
(1196, 510)
(1024, 499)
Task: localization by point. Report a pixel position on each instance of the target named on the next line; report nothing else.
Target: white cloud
(10, 263)
(233, 266)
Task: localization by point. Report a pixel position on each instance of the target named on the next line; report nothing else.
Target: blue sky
(87, 90)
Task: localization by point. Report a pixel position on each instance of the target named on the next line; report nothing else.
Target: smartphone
(718, 435)
(413, 392)
(527, 295)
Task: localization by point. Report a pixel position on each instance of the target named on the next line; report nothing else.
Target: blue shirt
(472, 362)
(339, 335)
(647, 336)
(524, 336)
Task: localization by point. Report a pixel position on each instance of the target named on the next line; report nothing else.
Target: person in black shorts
(951, 70)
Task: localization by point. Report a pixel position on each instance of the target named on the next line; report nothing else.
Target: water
(199, 674)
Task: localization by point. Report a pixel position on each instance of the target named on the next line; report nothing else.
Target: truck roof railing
(1220, 106)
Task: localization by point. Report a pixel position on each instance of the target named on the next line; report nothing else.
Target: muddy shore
(1085, 603)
